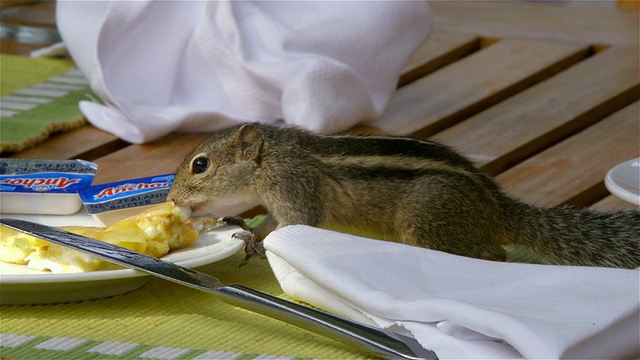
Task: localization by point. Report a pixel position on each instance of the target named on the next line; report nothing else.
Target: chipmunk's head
(220, 173)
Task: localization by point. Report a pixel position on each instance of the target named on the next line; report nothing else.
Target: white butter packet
(40, 186)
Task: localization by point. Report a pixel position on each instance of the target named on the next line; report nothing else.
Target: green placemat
(38, 97)
(163, 320)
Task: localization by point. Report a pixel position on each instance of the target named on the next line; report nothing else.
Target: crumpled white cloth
(461, 307)
(194, 66)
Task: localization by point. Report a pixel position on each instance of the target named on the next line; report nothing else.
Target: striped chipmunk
(412, 191)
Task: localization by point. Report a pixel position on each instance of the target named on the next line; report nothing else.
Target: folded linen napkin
(161, 66)
(461, 307)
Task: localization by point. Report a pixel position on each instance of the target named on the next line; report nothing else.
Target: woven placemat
(38, 98)
(164, 320)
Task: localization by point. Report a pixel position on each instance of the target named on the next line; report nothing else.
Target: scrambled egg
(154, 232)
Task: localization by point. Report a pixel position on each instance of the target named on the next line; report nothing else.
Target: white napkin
(198, 66)
(461, 307)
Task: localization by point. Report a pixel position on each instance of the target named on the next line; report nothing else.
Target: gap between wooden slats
(611, 203)
(440, 50)
(473, 84)
(548, 112)
(572, 172)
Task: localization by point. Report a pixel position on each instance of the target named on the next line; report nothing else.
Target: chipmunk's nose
(176, 195)
(172, 196)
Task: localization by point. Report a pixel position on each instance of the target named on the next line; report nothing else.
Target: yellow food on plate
(154, 232)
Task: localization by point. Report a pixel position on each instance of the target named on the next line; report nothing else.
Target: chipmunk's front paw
(252, 246)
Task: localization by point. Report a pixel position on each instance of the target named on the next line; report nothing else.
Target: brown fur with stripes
(400, 189)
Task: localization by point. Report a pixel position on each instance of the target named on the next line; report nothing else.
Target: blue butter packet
(38, 176)
(40, 186)
(105, 200)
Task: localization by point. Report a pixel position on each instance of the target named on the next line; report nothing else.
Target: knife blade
(384, 343)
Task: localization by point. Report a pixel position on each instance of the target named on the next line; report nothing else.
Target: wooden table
(546, 98)
(543, 97)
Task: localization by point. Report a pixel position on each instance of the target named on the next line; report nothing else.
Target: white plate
(20, 285)
(623, 181)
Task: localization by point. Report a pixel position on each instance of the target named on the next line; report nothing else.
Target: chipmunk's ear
(248, 143)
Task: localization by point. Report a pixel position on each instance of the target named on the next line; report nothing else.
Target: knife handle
(382, 343)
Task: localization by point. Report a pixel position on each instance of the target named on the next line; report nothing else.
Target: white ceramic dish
(21, 285)
(623, 181)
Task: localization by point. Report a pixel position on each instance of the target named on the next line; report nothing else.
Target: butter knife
(381, 342)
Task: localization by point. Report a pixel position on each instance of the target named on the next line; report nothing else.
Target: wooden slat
(544, 114)
(440, 49)
(518, 19)
(86, 143)
(12, 47)
(474, 83)
(612, 202)
(158, 157)
(573, 171)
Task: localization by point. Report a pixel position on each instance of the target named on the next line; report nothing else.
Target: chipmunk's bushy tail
(566, 236)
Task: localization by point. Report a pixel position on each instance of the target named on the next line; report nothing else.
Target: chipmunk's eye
(200, 165)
